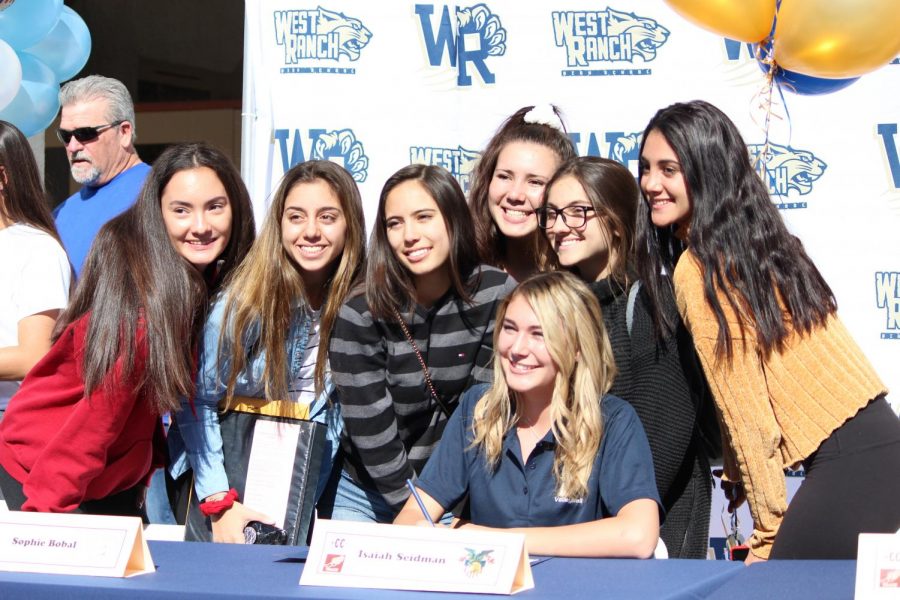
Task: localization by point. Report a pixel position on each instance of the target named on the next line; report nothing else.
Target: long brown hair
(492, 243)
(264, 291)
(22, 199)
(746, 251)
(134, 279)
(390, 287)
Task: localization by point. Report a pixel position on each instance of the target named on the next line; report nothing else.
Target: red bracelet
(217, 507)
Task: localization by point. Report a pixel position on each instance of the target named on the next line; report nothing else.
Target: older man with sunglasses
(97, 129)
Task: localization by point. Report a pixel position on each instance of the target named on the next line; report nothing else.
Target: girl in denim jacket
(280, 306)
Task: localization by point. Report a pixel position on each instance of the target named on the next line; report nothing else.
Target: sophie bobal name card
(73, 544)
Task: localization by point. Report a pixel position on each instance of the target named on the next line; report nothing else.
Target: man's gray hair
(119, 104)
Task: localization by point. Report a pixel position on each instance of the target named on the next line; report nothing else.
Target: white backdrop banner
(378, 85)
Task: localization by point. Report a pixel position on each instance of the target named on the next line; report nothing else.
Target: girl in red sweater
(83, 434)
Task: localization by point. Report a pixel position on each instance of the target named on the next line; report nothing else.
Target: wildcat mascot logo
(338, 145)
(459, 161)
(887, 296)
(788, 169)
(620, 146)
(606, 36)
(319, 35)
(478, 36)
(624, 147)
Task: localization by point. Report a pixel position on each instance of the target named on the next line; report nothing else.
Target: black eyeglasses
(84, 134)
(573, 216)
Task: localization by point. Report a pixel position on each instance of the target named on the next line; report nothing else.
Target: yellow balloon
(836, 39)
(744, 20)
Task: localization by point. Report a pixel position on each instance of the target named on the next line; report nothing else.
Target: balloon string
(764, 104)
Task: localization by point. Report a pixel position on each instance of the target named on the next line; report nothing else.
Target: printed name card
(73, 544)
(397, 557)
(878, 566)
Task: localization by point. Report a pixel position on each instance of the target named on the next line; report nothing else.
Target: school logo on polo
(459, 161)
(887, 297)
(888, 134)
(602, 37)
(469, 42)
(337, 145)
(789, 170)
(316, 40)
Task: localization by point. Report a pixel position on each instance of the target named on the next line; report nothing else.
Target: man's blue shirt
(81, 215)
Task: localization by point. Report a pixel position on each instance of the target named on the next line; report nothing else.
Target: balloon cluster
(42, 43)
(807, 47)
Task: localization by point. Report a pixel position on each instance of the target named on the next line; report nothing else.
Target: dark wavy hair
(22, 199)
(492, 243)
(745, 250)
(614, 194)
(134, 279)
(390, 287)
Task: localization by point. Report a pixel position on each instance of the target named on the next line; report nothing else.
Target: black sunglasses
(84, 134)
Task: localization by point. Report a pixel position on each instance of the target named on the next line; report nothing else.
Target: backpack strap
(629, 307)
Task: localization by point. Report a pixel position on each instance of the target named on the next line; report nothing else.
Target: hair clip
(544, 114)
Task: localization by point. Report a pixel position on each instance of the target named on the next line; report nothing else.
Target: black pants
(852, 486)
(121, 504)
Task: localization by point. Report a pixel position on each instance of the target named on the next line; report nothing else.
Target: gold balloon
(744, 20)
(836, 39)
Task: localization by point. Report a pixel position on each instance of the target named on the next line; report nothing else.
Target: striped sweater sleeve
(358, 358)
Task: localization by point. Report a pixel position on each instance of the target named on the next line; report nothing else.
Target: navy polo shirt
(520, 494)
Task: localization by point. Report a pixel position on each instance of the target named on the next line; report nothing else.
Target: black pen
(418, 498)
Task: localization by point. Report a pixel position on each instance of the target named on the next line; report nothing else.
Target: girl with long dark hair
(34, 273)
(403, 351)
(589, 219)
(84, 431)
(267, 333)
(508, 184)
(547, 425)
(791, 385)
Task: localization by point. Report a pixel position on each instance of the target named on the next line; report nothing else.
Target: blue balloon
(67, 47)
(807, 85)
(798, 83)
(10, 74)
(26, 22)
(36, 104)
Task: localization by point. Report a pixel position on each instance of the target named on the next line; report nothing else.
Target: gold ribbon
(271, 408)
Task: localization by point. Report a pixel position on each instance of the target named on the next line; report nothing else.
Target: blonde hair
(576, 340)
(264, 291)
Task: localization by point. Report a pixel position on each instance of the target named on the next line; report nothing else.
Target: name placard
(398, 557)
(878, 566)
(73, 544)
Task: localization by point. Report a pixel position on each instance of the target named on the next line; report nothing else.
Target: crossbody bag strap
(428, 381)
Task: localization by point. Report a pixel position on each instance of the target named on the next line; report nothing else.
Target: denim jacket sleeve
(199, 426)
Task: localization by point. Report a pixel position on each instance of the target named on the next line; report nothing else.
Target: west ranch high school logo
(788, 170)
(604, 37)
(459, 161)
(887, 297)
(319, 37)
(476, 36)
(337, 145)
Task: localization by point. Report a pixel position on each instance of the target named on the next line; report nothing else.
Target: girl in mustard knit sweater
(790, 384)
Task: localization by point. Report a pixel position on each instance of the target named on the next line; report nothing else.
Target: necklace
(530, 428)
